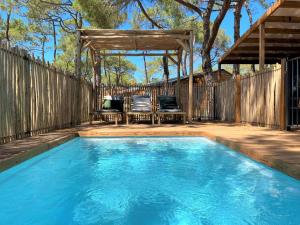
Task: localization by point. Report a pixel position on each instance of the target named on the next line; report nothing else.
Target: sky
(227, 26)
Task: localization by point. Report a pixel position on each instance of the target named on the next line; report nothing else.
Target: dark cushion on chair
(117, 104)
(141, 103)
(114, 104)
(167, 103)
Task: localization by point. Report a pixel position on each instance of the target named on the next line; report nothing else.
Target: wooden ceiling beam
(136, 54)
(118, 37)
(291, 4)
(284, 19)
(277, 48)
(275, 55)
(274, 40)
(282, 31)
(253, 60)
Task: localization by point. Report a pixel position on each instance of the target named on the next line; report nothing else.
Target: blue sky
(226, 25)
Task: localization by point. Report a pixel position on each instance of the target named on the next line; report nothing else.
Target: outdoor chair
(168, 106)
(140, 105)
(112, 106)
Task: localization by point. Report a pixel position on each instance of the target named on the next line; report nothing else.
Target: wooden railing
(36, 98)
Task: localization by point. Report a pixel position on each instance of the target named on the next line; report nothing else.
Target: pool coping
(34, 151)
(45, 145)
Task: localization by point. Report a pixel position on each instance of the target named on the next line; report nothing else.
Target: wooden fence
(260, 98)
(225, 100)
(36, 98)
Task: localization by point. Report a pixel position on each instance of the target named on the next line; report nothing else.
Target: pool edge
(275, 163)
(5, 164)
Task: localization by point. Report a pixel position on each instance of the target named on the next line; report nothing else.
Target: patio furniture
(168, 106)
(112, 106)
(141, 105)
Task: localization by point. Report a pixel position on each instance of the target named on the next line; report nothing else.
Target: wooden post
(99, 84)
(219, 71)
(95, 85)
(178, 77)
(262, 47)
(190, 102)
(238, 99)
(282, 102)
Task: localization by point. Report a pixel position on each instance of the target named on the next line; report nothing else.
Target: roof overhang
(282, 36)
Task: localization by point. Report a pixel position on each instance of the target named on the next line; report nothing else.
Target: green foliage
(119, 71)
(100, 14)
(66, 57)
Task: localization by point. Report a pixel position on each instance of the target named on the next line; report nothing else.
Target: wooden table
(183, 114)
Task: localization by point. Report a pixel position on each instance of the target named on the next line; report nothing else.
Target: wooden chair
(114, 110)
(141, 105)
(168, 106)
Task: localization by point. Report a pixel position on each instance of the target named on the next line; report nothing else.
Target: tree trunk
(207, 66)
(43, 49)
(86, 62)
(210, 34)
(78, 48)
(248, 10)
(184, 73)
(78, 55)
(7, 28)
(237, 25)
(146, 72)
(166, 74)
(117, 71)
(106, 74)
(54, 41)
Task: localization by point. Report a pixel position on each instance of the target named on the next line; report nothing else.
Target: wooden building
(275, 38)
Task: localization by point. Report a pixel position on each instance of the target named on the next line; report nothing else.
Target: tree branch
(154, 23)
(217, 23)
(190, 6)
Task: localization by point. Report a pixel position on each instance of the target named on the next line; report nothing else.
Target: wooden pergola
(169, 43)
(275, 36)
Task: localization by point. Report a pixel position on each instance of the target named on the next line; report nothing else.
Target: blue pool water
(146, 181)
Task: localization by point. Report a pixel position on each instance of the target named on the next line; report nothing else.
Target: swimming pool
(139, 181)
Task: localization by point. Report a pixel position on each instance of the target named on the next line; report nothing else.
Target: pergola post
(190, 101)
(95, 86)
(99, 82)
(261, 46)
(179, 57)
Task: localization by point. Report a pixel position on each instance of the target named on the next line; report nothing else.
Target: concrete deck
(277, 149)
